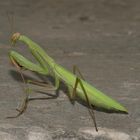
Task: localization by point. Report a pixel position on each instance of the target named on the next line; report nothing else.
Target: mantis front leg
(16, 61)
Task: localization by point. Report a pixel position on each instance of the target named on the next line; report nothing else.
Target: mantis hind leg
(75, 68)
(73, 95)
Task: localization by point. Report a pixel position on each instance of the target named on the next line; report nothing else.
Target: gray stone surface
(102, 37)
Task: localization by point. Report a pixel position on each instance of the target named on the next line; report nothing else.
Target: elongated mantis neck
(32, 45)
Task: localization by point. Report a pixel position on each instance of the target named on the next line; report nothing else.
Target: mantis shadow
(16, 76)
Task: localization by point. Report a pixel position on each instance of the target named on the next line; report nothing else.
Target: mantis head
(14, 38)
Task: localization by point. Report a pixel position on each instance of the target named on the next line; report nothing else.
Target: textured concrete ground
(102, 37)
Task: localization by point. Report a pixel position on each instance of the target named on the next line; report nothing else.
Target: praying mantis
(77, 86)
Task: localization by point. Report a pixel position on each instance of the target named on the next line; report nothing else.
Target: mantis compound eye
(14, 38)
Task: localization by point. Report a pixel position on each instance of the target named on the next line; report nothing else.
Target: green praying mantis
(76, 85)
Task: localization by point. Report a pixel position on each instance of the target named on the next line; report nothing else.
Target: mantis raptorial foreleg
(73, 94)
(34, 68)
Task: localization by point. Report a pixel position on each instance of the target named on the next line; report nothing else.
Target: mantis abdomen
(95, 96)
